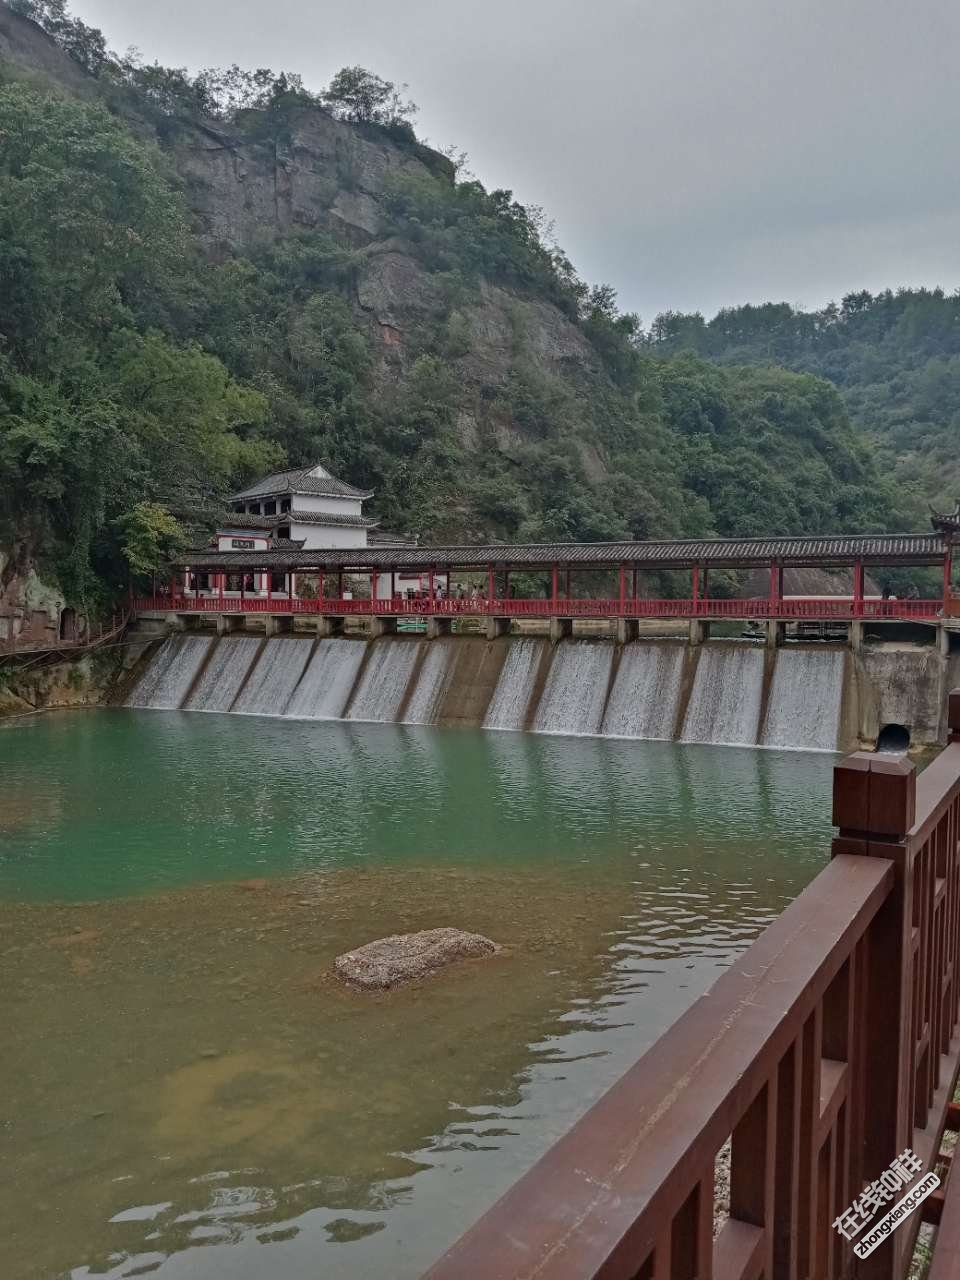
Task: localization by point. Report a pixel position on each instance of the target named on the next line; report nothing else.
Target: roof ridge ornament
(947, 522)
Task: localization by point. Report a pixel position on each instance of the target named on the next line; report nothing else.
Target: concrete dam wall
(816, 697)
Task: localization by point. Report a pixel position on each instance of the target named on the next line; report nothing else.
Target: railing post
(953, 715)
(874, 807)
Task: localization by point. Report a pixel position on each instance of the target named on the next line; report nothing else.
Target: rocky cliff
(416, 333)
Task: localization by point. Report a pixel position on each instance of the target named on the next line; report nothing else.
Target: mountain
(893, 356)
(205, 276)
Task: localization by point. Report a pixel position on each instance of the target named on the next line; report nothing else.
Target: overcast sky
(693, 153)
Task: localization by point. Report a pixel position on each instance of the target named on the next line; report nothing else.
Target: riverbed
(186, 1090)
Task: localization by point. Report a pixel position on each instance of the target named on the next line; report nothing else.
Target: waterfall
(333, 679)
(576, 688)
(431, 683)
(384, 680)
(805, 698)
(171, 672)
(727, 692)
(643, 700)
(223, 675)
(511, 698)
(274, 678)
(325, 687)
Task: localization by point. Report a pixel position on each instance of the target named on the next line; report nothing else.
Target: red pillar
(554, 585)
(430, 587)
(196, 587)
(634, 595)
(373, 590)
(858, 589)
(776, 587)
(173, 587)
(947, 575)
(243, 579)
(221, 580)
(506, 584)
(393, 583)
(696, 587)
(490, 586)
(623, 587)
(340, 585)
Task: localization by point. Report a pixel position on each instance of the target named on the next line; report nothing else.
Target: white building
(305, 505)
(302, 508)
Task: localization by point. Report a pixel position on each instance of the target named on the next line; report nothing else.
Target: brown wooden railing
(92, 638)
(824, 1052)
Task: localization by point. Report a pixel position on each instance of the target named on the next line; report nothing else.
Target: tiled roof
(247, 520)
(383, 538)
(824, 552)
(300, 480)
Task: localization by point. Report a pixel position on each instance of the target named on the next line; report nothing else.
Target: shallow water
(184, 1087)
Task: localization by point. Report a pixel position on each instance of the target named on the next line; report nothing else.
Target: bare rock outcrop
(407, 957)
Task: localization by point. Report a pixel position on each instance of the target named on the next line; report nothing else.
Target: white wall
(328, 535)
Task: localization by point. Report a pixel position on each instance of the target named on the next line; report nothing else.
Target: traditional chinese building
(299, 509)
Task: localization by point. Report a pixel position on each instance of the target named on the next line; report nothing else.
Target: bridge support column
(227, 622)
(382, 625)
(560, 627)
(497, 627)
(627, 629)
(856, 637)
(437, 627)
(699, 631)
(329, 626)
(943, 640)
(275, 624)
(775, 633)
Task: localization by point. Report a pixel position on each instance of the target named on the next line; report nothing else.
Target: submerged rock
(405, 957)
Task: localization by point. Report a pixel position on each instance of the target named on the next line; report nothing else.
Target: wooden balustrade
(824, 1052)
(813, 609)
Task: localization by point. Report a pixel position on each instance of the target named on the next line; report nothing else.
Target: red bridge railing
(812, 609)
(822, 1054)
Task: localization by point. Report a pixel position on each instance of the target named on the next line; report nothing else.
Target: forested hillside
(203, 276)
(895, 357)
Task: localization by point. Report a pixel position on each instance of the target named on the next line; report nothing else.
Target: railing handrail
(813, 609)
(937, 786)
(607, 1186)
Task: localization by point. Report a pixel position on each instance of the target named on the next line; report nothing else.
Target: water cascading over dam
(723, 693)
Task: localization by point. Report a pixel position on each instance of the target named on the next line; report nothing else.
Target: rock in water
(405, 957)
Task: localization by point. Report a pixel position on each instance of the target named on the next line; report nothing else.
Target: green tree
(360, 96)
(150, 538)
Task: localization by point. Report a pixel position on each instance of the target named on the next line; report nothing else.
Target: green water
(185, 1089)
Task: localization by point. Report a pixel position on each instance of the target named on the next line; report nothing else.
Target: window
(283, 531)
(284, 505)
(270, 508)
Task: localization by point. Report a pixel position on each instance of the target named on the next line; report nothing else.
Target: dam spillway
(725, 693)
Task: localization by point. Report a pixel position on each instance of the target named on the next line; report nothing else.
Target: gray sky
(693, 153)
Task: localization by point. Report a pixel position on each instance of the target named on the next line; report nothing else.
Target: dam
(724, 693)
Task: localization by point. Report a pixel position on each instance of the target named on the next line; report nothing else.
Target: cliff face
(414, 331)
(331, 175)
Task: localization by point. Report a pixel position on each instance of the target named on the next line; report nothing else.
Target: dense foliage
(139, 380)
(895, 357)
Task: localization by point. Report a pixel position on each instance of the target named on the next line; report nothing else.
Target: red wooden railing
(822, 1054)
(812, 608)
